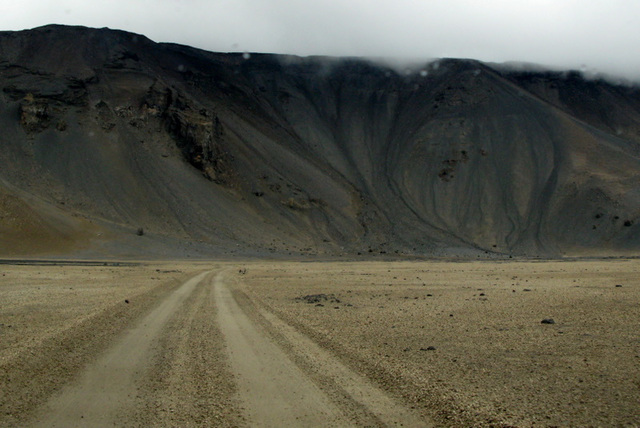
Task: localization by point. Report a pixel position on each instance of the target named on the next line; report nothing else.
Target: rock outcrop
(280, 154)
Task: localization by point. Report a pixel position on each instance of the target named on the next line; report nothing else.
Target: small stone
(126, 300)
(547, 321)
(618, 285)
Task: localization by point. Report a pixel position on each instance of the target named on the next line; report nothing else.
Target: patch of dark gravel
(318, 298)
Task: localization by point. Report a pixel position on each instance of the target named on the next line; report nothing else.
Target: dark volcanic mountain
(104, 133)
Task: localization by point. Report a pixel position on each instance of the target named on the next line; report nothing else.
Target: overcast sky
(595, 35)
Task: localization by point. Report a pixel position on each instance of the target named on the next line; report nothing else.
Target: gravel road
(105, 388)
(294, 382)
(206, 355)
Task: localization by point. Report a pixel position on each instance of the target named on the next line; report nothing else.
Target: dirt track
(105, 387)
(121, 386)
(277, 392)
(273, 390)
(320, 344)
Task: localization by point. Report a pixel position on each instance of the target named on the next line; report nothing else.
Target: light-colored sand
(494, 363)
(54, 320)
(106, 386)
(294, 382)
(268, 381)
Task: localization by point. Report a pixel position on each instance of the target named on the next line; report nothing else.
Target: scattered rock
(618, 285)
(428, 348)
(126, 300)
(317, 298)
(547, 321)
(446, 174)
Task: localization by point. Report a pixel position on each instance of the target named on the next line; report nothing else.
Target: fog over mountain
(114, 145)
(593, 35)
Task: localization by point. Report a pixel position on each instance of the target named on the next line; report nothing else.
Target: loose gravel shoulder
(56, 319)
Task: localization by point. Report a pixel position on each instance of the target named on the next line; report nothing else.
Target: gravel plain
(458, 343)
(465, 342)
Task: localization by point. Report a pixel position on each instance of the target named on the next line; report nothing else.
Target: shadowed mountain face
(106, 132)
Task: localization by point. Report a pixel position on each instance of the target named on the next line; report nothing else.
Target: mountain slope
(213, 153)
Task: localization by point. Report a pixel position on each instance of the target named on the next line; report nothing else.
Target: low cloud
(595, 35)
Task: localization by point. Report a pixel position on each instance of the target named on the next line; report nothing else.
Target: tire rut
(189, 383)
(302, 386)
(107, 388)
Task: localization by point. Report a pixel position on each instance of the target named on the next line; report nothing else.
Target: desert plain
(345, 243)
(324, 343)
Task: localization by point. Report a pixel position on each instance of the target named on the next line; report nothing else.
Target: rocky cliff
(215, 153)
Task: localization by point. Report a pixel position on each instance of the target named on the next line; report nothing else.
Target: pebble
(547, 321)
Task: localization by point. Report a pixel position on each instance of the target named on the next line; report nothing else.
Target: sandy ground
(54, 320)
(494, 362)
(312, 344)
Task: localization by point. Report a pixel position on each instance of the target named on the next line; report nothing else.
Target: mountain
(113, 145)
